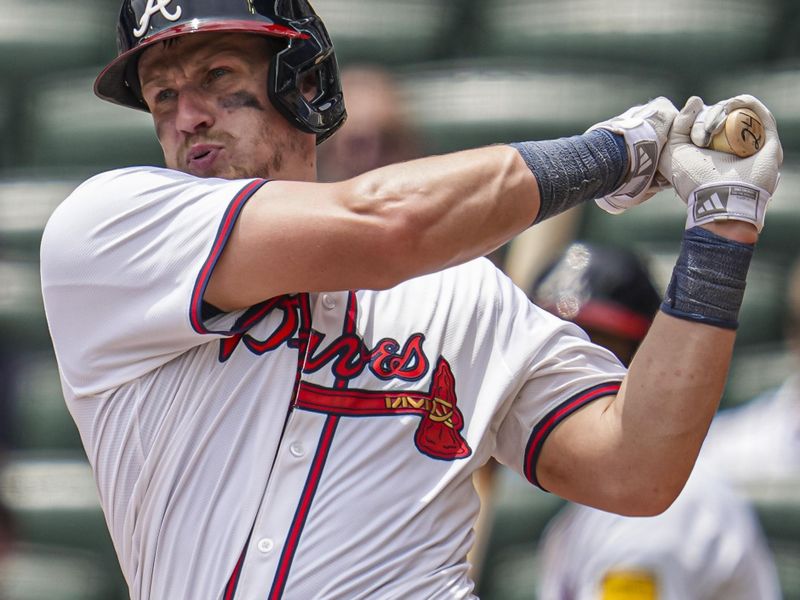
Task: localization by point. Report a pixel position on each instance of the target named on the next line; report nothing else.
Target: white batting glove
(718, 186)
(645, 129)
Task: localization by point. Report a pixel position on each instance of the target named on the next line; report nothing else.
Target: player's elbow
(646, 496)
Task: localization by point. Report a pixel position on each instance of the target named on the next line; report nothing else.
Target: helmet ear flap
(289, 71)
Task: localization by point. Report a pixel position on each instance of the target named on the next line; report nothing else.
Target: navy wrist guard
(570, 171)
(708, 280)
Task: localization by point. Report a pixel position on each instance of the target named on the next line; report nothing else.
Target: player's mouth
(201, 158)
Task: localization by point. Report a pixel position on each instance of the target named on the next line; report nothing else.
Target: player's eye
(217, 73)
(164, 95)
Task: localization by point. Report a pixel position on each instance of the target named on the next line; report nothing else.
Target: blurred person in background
(708, 544)
(378, 130)
(760, 440)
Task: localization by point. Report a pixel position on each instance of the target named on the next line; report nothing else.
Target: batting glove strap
(728, 200)
(640, 141)
(708, 280)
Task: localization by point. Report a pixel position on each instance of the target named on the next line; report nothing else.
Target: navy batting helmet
(308, 52)
(601, 288)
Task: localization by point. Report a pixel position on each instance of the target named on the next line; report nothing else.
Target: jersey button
(265, 545)
(297, 449)
(328, 301)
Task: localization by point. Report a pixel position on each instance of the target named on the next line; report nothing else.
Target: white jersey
(312, 446)
(759, 440)
(707, 546)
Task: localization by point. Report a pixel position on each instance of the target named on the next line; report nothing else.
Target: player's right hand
(718, 186)
(645, 129)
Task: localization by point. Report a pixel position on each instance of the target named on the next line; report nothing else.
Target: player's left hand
(645, 129)
(718, 186)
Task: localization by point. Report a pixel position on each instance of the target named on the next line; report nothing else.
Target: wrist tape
(570, 171)
(708, 280)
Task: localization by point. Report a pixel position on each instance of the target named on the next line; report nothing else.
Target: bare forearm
(394, 223)
(375, 230)
(644, 441)
(669, 397)
(647, 438)
(454, 207)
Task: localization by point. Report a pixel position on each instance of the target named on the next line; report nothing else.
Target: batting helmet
(308, 52)
(598, 287)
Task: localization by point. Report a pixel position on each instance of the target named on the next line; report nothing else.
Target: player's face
(207, 93)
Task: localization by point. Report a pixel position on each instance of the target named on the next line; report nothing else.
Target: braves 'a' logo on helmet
(153, 7)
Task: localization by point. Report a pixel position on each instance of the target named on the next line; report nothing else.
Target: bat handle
(742, 134)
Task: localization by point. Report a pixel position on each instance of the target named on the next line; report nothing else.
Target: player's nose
(195, 111)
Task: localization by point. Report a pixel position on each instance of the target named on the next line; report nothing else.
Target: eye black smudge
(241, 99)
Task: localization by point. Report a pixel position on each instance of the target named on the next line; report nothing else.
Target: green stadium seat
(35, 572)
(386, 31)
(758, 367)
(777, 503)
(25, 206)
(475, 102)
(520, 515)
(41, 418)
(7, 147)
(22, 321)
(54, 502)
(684, 36)
(73, 133)
(44, 36)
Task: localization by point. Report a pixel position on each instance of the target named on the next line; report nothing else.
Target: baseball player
(709, 544)
(283, 386)
(760, 440)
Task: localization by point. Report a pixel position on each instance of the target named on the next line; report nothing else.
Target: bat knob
(742, 134)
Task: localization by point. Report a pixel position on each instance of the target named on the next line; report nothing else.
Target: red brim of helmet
(609, 318)
(110, 85)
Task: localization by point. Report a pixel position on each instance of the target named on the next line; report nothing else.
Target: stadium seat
(72, 133)
(41, 418)
(22, 320)
(6, 146)
(777, 503)
(778, 86)
(25, 206)
(520, 515)
(44, 36)
(756, 368)
(683, 36)
(54, 502)
(387, 31)
(475, 102)
(35, 572)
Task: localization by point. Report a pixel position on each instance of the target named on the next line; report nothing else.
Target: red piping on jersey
(556, 416)
(303, 508)
(233, 582)
(223, 233)
(314, 475)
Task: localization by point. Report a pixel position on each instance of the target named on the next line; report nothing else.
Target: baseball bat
(742, 134)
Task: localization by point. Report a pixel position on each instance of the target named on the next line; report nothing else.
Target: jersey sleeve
(124, 264)
(558, 371)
